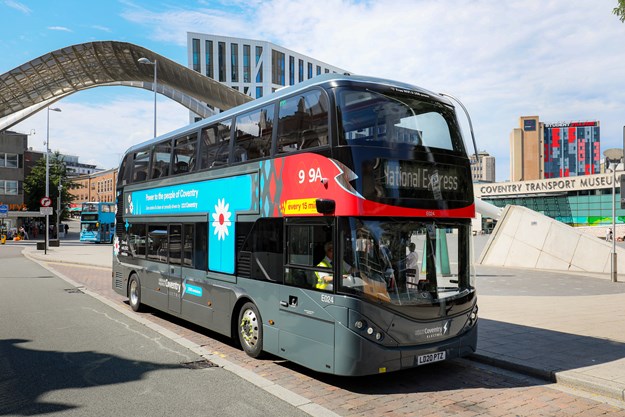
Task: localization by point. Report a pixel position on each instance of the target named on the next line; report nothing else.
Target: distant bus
(231, 223)
(97, 222)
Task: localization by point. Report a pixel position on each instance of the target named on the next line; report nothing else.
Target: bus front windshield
(391, 118)
(402, 262)
(89, 227)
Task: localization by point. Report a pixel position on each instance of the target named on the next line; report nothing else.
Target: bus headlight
(360, 324)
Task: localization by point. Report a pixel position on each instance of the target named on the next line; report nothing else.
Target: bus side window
(200, 248)
(253, 134)
(184, 154)
(215, 145)
(264, 246)
(140, 166)
(161, 160)
(187, 245)
(303, 122)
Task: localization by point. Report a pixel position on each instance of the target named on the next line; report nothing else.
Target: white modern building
(483, 167)
(255, 68)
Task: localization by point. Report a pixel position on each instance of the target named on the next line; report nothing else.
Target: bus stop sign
(4, 210)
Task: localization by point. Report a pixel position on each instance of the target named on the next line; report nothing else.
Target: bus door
(306, 329)
(174, 268)
(105, 232)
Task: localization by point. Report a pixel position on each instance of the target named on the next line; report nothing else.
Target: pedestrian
(412, 265)
(608, 235)
(23, 233)
(66, 229)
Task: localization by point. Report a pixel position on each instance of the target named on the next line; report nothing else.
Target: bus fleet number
(314, 175)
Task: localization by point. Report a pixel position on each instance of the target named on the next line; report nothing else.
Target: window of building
(300, 71)
(234, 62)
(209, 59)
(221, 60)
(310, 70)
(259, 74)
(196, 55)
(8, 187)
(253, 134)
(318, 70)
(291, 70)
(9, 160)
(259, 92)
(246, 64)
(277, 67)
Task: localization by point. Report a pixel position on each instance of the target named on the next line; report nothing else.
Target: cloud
(102, 28)
(60, 28)
(17, 6)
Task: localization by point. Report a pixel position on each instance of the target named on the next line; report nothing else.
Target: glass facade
(578, 208)
(572, 149)
(221, 61)
(278, 67)
(196, 55)
(300, 71)
(259, 75)
(291, 70)
(246, 64)
(234, 61)
(209, 59)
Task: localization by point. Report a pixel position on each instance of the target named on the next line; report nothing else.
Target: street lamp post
(146, 61)
(612, 159)
(58, 210)
(47, 243)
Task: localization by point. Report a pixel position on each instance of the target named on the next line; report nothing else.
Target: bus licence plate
(431, 357)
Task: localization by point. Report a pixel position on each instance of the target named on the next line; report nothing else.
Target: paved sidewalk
(563, 327)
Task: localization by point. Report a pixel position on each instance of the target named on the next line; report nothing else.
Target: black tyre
(134, 293)
(250, 330)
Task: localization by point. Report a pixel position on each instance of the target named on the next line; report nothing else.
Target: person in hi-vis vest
(324, 279)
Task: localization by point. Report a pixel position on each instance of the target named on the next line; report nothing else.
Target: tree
(35, 185)
(620, 10)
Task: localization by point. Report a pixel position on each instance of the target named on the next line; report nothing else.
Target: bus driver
(324, 279)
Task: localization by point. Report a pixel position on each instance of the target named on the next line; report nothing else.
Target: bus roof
(322, 79)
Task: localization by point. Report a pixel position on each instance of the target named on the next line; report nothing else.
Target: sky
(562, 60)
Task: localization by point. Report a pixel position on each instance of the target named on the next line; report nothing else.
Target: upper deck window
(303, 122)
(385, 119)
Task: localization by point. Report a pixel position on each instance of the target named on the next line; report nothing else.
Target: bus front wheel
(134, 293)
(250, 330)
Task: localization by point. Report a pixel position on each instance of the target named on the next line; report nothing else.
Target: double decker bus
(233, 223)
(97, 222)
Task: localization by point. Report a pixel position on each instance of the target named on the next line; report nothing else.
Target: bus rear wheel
(134, 293)
(250, 330)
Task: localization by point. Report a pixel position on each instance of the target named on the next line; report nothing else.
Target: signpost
(46, 209)
(4, 212)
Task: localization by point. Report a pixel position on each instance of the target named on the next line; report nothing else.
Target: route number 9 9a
(314, 175)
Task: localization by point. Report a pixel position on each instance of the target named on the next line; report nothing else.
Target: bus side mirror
(325, 206)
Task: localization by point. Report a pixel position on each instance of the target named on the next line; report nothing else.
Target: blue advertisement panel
(221, 199)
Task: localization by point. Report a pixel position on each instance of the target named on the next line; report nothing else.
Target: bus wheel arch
(249, 329)
(134, 292)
